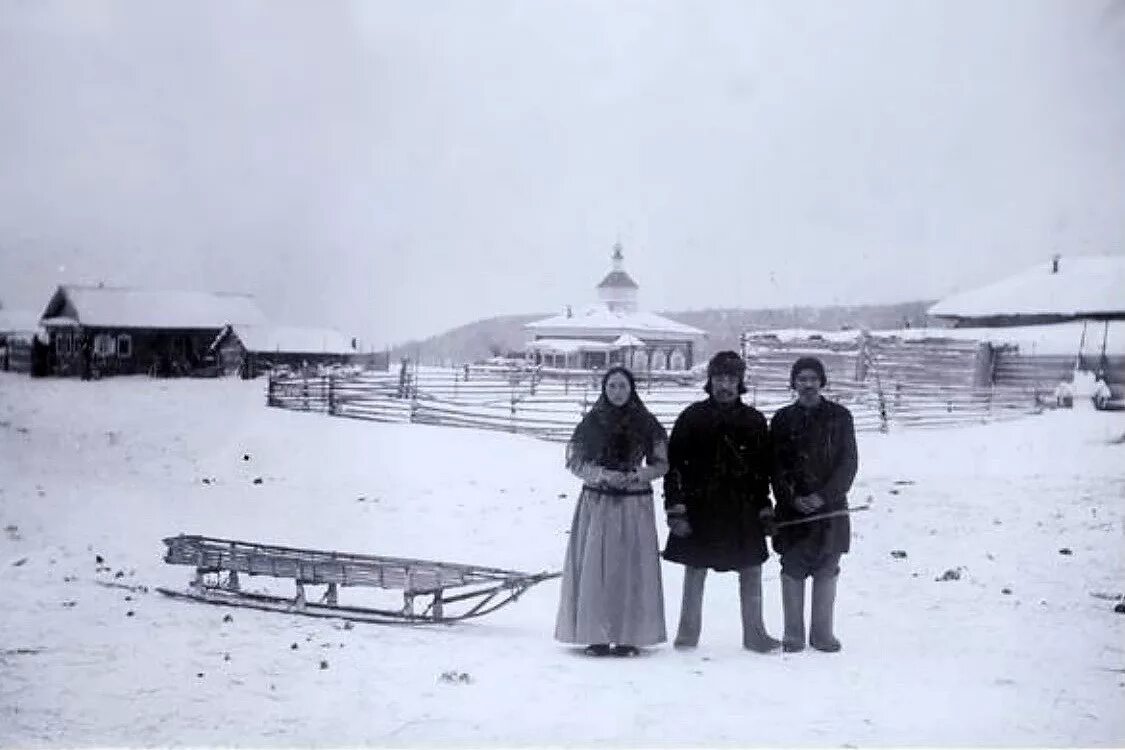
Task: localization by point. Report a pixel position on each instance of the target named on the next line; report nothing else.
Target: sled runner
(449, 591)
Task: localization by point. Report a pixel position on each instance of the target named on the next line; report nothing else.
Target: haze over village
(514, 374)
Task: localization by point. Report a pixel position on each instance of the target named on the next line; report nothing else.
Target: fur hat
(726, 363)
(807, 363)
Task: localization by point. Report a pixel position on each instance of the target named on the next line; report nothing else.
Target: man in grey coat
(815, 462)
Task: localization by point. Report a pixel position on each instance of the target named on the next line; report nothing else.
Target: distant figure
(815, 462)
(1064, 395)
(611, 595)
(1102, 393)
(86, 349)
(717, 498)
(41, 357)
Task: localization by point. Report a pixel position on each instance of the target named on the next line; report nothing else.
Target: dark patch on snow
(324, 664)
(1005, 590)
(19, 562)
(257, 480)
(245, 456)
(228, 618)
(1066, 551)
(454, 677)
(898, 554)
(1120, 608)
(953, 574)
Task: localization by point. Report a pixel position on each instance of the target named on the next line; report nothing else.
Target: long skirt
(611, 584)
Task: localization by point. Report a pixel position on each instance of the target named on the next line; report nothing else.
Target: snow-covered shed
(1083, 297)
(250, 350)
(17, 330)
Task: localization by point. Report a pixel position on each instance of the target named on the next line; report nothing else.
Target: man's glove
(677, 521)
(809, 503)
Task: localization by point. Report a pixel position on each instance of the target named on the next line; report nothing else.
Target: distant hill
(504, 334)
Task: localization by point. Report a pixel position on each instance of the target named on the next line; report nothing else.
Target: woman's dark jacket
(719, 461)
(814, 451)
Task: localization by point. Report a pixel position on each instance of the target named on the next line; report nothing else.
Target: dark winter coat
(814, 451)
(719, 461)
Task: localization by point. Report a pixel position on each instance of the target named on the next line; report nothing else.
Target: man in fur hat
(716, 496)
(815, 461)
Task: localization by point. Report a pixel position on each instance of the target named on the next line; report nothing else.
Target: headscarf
(613, 436)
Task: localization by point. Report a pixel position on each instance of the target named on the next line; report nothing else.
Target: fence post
(414, 404)
(402, 379)
(270, 399)
(884, 421)
(331, 378)
(305, 391)
(512, 416)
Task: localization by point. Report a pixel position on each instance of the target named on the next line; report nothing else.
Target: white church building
(613, 331)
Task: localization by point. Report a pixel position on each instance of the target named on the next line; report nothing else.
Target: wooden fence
(548, 405)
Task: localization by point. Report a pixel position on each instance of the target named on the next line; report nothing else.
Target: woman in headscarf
(612, 597)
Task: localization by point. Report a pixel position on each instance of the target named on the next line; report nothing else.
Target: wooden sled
(449, 591)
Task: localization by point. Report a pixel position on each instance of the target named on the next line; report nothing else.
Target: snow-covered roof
(1063, 339)
(628, 339)
(604, 320)
(122, 307)
(291, 339)
(569, 346)
(787, 335)
(18, 321)
(1084, 286)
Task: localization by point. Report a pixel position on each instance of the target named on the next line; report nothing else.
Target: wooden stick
(819, 516)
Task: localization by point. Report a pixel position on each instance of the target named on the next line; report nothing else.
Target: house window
(103, 344)
(124, 345)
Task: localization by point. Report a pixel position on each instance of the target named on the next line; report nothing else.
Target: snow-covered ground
(109, 468)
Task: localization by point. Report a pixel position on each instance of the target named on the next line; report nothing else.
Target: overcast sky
(395, 169)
